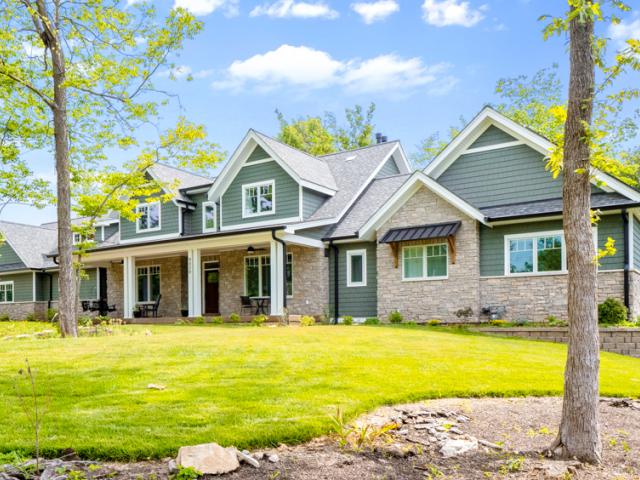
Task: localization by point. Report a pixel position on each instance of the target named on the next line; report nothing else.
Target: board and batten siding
(9, 257)
(492, 250)
(354, 301)
(286, 193)
(389, 168)
(169, 222)
(311, 201)
(636, 243)
(22, 286)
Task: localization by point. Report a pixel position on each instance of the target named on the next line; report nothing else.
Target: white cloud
(206, 7)
(625, 30)
(295, 9)
(374, 11)
(32, 50)
(178, 72)
(443, 13)
(203, 73)
(305, 68)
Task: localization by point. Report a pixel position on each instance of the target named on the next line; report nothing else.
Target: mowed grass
(254, 387)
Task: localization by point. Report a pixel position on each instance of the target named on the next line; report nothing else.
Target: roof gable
(32, 244)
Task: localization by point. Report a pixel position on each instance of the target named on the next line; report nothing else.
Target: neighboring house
(353, 233)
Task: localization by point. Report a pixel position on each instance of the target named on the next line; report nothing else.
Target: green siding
(193, 219)
(492, 136)
(169, 222)
(109, 230)
(286, 189)
(354, 301)
(88, 286)
(257, 154)
(311, 201)
(636, 243)
(492, 242)
(22, 286)
(42, 287)
(8, 256)
(389, 168)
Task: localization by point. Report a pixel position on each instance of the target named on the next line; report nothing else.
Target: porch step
(178, 320)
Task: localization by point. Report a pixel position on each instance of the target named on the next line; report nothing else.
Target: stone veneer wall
(634, 294)
(115, 289)
(536, 297)
(428, 299)
(172, 287)
(625, 341)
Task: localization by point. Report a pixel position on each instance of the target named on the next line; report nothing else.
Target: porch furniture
(261, 304)
(100, 306)
(150, 309)
(246, 304)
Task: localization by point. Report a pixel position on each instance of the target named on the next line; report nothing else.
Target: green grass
(18, 328)
(254, 387)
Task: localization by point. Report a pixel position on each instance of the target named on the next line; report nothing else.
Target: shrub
(498, 322)
(347, 320)
(434, 322)
(307, 321)
(521, 322)
(395, 317)
(5, 318)
(372, 321)
(187, 473)
(217, 320)
(30, 317)
(612, 312)
(411, 322)
(258, 320)
(85, 321)
(51, 313)
(198, 321)
(234, 318)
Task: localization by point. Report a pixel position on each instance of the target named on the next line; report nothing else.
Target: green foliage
(198, 321)
(347, 320)
(359, 437)
(234, 318)
(512, 465)
(498, 322)
(554, 321)
(187, 473)
(371, 321)
(307, 321)
(217, 320)
(434, 322)
(321, 136)
(30, 317)
(612, 312)
(5, 318)
(395, 317)
(51, 313)
(258, 320)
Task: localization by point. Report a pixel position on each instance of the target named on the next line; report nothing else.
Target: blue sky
(425, 63)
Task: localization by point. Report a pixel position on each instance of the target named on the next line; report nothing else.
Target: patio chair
(151, 310)
(85, 305)
(246, 304)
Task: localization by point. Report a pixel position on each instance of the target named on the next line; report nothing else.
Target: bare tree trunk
(579, 434)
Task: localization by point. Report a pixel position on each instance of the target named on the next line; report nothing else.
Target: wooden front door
(212, 291)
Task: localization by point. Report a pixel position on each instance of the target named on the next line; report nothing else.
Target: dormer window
(149, 219)
(258, 199)
(209, 217)
(79, 238)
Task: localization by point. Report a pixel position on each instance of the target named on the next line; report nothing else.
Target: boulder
(208, 458)
(453, 448)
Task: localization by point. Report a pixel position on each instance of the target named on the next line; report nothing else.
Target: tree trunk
(579, 434)
(67, 285)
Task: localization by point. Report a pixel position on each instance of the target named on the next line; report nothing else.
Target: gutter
(343, 237)
(627, 249)
(284, 260)
(336, 277)
(551, 214)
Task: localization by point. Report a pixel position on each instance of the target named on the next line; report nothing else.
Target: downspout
(336, 277)
(627, 249)
(284, 260)
(44, 272)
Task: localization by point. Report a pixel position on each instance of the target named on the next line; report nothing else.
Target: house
(354, 233)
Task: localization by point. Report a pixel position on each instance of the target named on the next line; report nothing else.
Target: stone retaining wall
(625, 341)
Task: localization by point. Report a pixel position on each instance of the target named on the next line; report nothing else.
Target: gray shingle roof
(551, 206)
(168, 175)
(351, 169)
(378, 192)
(305, 166)
(31, 243)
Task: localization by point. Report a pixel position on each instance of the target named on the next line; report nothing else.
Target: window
(425, 262)
(148, 284)
(149, 219)
(257, 275)
(79, 238)
(208, 217)
(6, 292)
(356, 268)
(535, 253)
(258, 199)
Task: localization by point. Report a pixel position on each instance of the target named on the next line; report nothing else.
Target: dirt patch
(509, 435)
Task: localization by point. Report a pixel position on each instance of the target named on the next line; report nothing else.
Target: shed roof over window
(422, 232)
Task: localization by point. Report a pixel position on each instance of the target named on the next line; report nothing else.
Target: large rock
(453, 448)
(208, 458)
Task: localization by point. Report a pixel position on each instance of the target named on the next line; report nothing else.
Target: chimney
(384, 139)
(379, 138)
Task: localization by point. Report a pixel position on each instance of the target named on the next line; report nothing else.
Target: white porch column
(194, 282)
(277, 277)
(129, 286)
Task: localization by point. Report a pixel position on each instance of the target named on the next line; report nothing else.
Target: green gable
(169, 221)
(492, 136)
(8, 256)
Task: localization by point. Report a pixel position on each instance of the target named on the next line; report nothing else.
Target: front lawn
(254, 387)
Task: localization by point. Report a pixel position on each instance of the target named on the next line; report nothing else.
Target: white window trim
(424, 277)
(138, 267)
(351, 253)
(13, 291)
(154, 229)
(272, 184)
(204, 216)
(534, 236)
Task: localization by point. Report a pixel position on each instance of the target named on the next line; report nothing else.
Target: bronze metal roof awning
(423, 232)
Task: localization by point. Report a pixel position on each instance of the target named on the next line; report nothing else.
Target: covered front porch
(210, 276)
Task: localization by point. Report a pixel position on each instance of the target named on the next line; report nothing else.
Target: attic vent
(351, 157)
